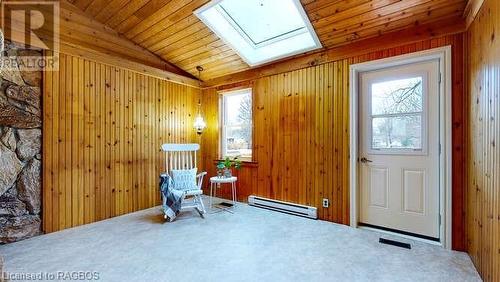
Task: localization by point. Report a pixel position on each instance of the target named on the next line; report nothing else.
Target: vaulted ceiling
(169, 29)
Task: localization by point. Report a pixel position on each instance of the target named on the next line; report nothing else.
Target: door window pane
(397, 111)
(397, 96)
(397, 132)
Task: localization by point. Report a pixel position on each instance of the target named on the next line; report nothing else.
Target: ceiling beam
(75, 22)
(82, 36)
(471, 10)
(398, 38)
(88, 54)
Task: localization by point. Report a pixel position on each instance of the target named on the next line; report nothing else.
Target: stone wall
(20, 150)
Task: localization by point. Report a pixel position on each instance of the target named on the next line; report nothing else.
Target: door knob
(365, 160)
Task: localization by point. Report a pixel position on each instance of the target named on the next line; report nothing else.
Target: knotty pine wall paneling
(301, 134)
(103, 128)
(483, 167)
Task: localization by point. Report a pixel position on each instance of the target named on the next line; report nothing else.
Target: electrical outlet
(326, 203)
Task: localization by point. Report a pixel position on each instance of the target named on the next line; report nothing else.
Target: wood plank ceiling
(169, 28)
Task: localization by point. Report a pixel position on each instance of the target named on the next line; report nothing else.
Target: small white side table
(215, 183)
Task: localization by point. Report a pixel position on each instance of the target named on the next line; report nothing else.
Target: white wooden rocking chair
(183, 157)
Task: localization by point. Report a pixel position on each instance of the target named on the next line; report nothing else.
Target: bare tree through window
(245, 118)
(397, 108)
(237, 124)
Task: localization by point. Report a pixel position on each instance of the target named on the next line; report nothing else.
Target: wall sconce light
(199, 122)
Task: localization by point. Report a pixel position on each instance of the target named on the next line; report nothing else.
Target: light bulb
(199, 124)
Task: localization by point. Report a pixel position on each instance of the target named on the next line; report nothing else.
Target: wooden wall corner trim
(471, 10)
(398, 38)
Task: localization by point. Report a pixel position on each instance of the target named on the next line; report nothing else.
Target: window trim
(222, 127)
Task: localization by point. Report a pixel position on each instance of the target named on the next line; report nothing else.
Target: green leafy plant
(229, 163)
(220, 166)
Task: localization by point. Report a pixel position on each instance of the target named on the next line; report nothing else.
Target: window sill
(244, 163)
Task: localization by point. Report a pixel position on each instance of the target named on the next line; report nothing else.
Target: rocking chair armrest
(200, 179)
(201, 174)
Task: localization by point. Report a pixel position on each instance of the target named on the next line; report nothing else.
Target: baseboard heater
(285, 207)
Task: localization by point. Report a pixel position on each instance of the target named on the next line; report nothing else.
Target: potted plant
(224, 167)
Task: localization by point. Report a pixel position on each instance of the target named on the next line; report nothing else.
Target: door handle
(365, 160)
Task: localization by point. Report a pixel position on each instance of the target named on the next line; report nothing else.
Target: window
(261, 30)
(397, 114)
(236, 117)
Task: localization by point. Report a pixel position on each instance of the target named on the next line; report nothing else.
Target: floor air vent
(394, 243)
(295, 209)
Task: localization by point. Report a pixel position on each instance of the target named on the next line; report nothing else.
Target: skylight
(261, 31)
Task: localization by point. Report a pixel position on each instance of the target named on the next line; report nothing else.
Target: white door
(399, 148)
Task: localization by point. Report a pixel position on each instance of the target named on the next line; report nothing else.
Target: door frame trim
(445, 131)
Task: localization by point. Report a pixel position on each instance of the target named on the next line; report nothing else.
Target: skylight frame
(308, 29)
